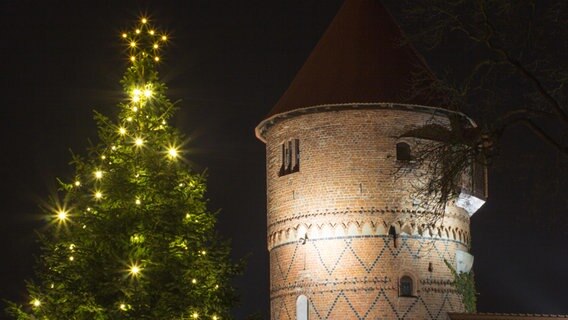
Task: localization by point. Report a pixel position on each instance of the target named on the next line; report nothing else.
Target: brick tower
(347, 239)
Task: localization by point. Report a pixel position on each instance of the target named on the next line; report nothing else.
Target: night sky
(229, 62)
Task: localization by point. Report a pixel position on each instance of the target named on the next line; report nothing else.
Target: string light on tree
(134, 270)
(36, 303)
(173, 152)
(62, 215)
(139, 142)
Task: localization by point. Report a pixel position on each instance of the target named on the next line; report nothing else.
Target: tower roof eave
(264, 125)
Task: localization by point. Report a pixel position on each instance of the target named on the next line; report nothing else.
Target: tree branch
(538, 131)
(555, 104)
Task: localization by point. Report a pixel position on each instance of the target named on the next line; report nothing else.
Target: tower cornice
(264, 125)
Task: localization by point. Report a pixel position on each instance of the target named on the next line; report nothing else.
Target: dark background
(228, 63)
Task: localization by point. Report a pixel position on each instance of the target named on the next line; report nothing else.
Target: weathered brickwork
(328, 223)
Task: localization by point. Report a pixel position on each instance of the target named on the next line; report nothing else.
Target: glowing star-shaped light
(138, 142)
(173, 153)
(36, 303)
(62, 215)
(138, 202)
(194, 281)
(98, 195)
(148, 93)
(122, 131)
(77, 183)
(98, 174)
(71, 258)
(134, 270)
(195, 315)
(215, 317)
(142, 40)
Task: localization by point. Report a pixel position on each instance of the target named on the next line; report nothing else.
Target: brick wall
(328, 223)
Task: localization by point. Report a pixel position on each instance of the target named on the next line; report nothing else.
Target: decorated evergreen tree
(130, 235)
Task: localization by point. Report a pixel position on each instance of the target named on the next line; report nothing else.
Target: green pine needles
(130, 235)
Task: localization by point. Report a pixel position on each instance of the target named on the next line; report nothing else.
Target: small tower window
(403, 151)
(406, 286)
(290, 157)
(393, 236)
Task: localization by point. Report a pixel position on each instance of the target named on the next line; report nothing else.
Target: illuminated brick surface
(344, 199)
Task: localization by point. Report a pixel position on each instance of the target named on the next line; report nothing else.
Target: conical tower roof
(363, 57)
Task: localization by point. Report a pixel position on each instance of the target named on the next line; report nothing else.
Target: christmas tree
(130, 235)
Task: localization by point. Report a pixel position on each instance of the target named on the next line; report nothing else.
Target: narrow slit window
(283, 166)
(289, 158)
(296, 155)
(403, 152)
(394, 236)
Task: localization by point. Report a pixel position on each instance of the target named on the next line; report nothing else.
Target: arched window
(403, 152)
(406, 286)
(302, 308)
